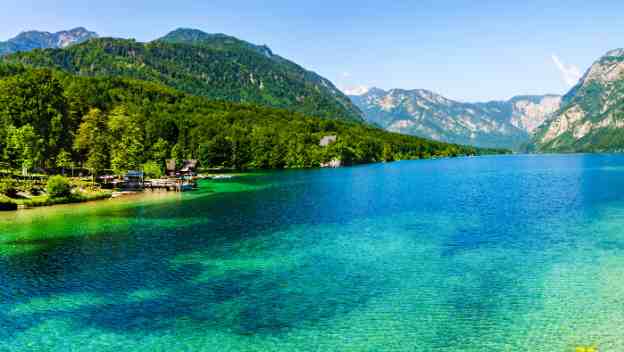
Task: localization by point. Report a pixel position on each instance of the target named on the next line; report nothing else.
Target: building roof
(327, 140)
(189, 165)
(134, 173)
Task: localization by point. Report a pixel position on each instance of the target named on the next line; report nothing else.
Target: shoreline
(119, 196)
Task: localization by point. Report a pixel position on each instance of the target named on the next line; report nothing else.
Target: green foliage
(7, 203)
(22, 147)
(58, 186)
(64, 160)
(92, 140)
(160, 150)
(122, 123)
(33, 109)
(214, 66)
(8, 187)
(72, 198)
(126, 141)
(387, 154)
(153, 169)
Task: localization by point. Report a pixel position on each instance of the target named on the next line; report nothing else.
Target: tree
(215, 152)
(63, 160)
(262, 145)
(296, 155)
(241, 153)
(22, 147)
(176, 153)
(126, 141)
(8, 187)
(92, 140)
(35, 98)
(153, 169)
(346, 153)
(58, 186)
(387, 154)
(4, 126)
(160, 151)
(46, 113)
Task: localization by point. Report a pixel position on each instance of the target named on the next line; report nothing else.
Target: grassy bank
(7, 203)
(42, 201)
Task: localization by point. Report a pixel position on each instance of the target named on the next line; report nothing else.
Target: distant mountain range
(592, 115)
(30, 40)
(216, 66)
(496, 124)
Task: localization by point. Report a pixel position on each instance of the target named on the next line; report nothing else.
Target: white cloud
(569, 73)
(355, 90)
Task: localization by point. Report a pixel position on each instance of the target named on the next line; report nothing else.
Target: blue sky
(466, 50)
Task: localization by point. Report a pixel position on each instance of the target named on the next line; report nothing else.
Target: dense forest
(52, 119)
(218, 67)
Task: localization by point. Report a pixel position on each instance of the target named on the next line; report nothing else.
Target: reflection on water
(496, 253)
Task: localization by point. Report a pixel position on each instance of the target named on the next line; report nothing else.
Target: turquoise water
(513, 253)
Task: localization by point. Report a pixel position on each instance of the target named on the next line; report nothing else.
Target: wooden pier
(169, 185)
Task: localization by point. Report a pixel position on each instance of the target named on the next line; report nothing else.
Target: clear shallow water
(482, 254)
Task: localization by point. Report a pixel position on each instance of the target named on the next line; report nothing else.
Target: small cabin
(327, 140)
(189, 168)
(133, 180)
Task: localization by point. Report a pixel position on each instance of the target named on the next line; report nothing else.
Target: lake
(501, 253)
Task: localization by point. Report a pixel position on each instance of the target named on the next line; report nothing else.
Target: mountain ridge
(592, 115)
(30, 40)
(424, 113)
(217, 66)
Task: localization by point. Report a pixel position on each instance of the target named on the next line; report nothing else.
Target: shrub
(58, 186)
(8, 187)
(6, 203)
(35, 190)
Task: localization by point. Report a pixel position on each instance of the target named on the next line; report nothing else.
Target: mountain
(216, 66)
(215, 41)
(592, 115)
(27, 41)
(496, 124)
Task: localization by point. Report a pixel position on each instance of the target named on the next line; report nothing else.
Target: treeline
(51, 119)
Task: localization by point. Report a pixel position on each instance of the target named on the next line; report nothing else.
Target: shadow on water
(245, 302)
(113, 265)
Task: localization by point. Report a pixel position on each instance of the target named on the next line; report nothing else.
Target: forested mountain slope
(51, 118)
(215, 66)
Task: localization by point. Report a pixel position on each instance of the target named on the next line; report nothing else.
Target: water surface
(513, 253)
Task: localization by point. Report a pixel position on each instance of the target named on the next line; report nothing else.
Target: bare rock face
(27, 41)
(497, 124)
(592, 114)
(529, 114)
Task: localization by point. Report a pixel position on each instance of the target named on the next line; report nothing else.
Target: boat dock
(169, 185)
